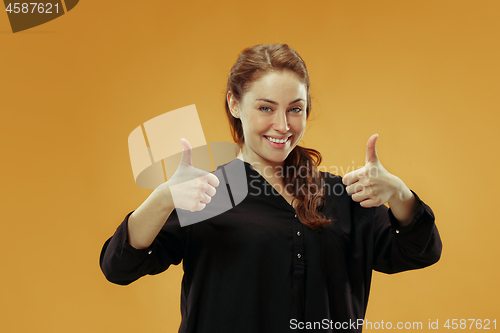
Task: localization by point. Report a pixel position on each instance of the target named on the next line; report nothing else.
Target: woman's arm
(150, 238)
(145, 222)
(399, 248)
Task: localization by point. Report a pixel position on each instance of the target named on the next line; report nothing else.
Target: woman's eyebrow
(273, 102)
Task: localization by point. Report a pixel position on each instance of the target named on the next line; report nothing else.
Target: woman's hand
(372, 186)
(191, 188)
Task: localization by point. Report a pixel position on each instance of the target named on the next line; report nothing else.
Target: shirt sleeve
(122, 264)
(399, 248)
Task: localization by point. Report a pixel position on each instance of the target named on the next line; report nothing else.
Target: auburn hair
(252, 64)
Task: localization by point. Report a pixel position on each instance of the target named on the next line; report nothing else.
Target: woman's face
(273, 116)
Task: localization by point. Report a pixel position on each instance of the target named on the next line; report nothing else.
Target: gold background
(422, 74)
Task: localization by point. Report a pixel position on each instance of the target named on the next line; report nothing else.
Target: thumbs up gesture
(191, 188)
(371, 185)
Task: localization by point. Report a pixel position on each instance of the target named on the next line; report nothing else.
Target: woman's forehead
(272, 85)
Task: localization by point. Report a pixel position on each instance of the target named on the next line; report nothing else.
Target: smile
(276, 140)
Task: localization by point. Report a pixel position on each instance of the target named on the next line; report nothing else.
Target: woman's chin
(277, 158)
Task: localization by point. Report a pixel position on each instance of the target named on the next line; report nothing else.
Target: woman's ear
(233, 104)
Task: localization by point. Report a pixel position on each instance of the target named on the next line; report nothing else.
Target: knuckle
(215, 180)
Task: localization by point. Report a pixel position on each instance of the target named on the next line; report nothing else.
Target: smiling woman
(268, 103)
(302, 245)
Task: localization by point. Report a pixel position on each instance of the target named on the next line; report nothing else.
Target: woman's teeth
(276, 140)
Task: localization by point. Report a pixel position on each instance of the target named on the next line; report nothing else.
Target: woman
(299, 250)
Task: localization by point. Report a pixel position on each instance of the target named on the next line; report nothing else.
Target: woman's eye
(296, 110)
(265, 108)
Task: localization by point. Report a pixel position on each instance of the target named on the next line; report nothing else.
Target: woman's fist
(191, 188)
(371, 185)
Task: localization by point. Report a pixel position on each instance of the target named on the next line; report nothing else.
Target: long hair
(308, 189)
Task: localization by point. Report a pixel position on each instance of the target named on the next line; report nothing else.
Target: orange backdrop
(422, 74)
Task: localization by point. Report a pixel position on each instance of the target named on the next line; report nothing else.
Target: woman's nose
(281, 122)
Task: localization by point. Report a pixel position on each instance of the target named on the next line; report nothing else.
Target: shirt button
(298, 233)
(299, 255)
(150, 251)
(397, 231)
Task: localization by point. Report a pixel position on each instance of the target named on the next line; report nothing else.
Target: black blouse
(256, 268)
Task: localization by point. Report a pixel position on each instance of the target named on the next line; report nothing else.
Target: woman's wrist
(403, 203)
(163, 198)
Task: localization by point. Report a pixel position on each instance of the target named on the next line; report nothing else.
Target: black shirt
(257, 268)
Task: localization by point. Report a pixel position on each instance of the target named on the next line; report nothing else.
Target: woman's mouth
(277, 141)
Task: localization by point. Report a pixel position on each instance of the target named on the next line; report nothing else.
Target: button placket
(298, 247)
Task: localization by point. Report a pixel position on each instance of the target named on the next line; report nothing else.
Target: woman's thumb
(186, 152)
